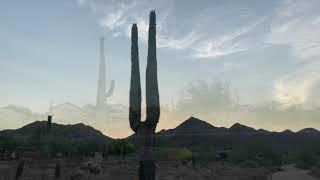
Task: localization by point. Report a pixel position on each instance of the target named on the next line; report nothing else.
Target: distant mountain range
(191, 132)
(196, 126)
(195, 132)
(12, 117)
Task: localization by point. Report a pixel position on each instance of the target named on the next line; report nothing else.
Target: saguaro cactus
(49, 122)
(57, 170)
(102, 93)
(19, 170)
(145, 130)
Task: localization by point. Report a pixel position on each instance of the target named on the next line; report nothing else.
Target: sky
(267, 51)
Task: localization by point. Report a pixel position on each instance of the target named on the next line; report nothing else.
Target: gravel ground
(290, 172)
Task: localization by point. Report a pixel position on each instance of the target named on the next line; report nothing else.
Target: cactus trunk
(145, 131)
(49, 122)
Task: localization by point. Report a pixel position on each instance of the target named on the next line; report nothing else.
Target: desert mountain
(239, 128)
(76, 132)
(193, 131)
(195, 125)
(308, 131)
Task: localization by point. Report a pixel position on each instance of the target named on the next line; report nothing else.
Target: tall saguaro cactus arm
(152, 92)
(135, 86)
(111, 89)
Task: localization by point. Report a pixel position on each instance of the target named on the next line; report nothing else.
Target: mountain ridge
(191, 126)
(77, 132)
(196, 125)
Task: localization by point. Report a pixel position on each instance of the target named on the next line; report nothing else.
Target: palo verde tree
(145, 130)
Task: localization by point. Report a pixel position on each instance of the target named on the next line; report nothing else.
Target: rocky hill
(192, 132)
(196, 132)
(76, 132)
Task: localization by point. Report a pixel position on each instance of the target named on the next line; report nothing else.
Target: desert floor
(290, 172)
(127, 170)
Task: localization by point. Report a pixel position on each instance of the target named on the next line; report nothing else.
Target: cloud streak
(297, 25)
(220, 46)
(214, 32)
(296, 88)
(118, 16)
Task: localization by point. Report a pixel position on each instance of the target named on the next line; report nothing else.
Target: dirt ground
(290, 172)
(127, 170)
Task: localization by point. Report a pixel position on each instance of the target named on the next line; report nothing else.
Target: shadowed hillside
(195, 132)
(77, 132)
(192, 131)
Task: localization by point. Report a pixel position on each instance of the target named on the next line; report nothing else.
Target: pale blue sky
(268, 50)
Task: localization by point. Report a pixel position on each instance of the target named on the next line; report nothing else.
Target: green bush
(204, 153)
(68, 147)
(61, 145)
(87, 147)
(256, 151)
(8, 142)
(179, 154)
(118, 147)
(309, 156)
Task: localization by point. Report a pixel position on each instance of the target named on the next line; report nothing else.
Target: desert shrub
(118, 147)
(87, 147)
(309, 156)
(61, 145)
(68, 147)
(204, 153)
(205, 96)
(178, 154)
(9, 142)
(162, 141)
(263, 154)
(306, 160)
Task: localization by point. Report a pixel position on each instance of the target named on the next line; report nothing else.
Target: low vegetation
(8, 142)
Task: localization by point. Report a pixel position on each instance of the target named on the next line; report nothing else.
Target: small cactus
(57, 171)
(19, 169)
(49, 122)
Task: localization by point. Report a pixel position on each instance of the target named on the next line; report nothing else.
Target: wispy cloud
(290, 92)
(219, 46)
(225, 44)
(297, 25)
(82, 2)
(118, 16)
(296, 88)
(179, 43)
(214, 31)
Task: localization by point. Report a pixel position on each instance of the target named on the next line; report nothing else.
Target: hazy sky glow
(267, 50)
